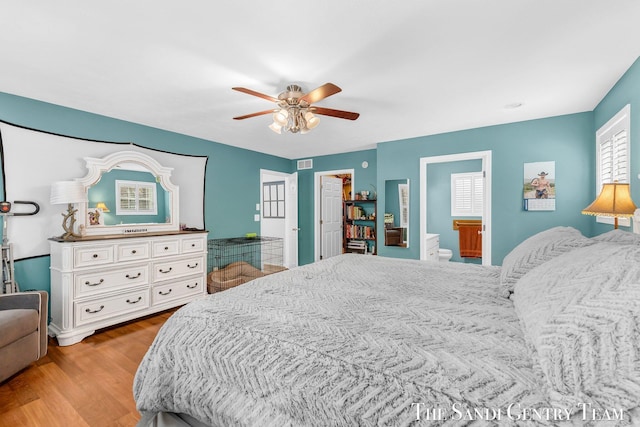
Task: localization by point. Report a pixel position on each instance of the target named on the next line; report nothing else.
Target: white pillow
(580, 314)
(537, 250)
(618, 236)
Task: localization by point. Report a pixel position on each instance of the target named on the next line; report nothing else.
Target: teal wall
(365, 179)
(439, 217)
(567, 140)
(232, 185)
(626, 91)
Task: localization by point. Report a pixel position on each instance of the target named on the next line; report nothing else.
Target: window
(613, 154)
(273, 199)
(403, 195)
(467, 193)
(136, 198)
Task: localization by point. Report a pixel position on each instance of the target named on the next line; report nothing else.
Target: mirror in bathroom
(396, 213)
(128, 192)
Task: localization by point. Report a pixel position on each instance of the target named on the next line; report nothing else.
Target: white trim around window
(613, 154)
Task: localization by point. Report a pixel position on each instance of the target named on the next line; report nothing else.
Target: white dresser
(432, 246)
(100, 282)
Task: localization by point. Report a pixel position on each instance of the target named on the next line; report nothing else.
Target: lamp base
(68, 223)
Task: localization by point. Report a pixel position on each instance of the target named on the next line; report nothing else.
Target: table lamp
(614, 200)
(68, 192)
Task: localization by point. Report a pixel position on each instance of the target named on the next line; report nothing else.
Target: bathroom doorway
(485, 158)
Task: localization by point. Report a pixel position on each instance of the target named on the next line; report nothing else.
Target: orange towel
(470, 241)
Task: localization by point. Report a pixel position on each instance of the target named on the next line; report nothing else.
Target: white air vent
(305, 164)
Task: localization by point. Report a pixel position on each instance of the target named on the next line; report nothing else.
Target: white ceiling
(410, 68)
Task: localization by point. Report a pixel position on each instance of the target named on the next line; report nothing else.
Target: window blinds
(613, 154)
(466, 194)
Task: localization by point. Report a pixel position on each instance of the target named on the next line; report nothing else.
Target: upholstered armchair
(23, 330)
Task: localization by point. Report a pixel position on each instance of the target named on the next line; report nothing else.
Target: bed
(550, 338)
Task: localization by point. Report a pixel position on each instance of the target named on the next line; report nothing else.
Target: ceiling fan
(294, 111)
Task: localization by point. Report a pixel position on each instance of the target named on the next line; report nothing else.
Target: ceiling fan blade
(320, 93)
(335, 113)
(254, 93)
(259, 113)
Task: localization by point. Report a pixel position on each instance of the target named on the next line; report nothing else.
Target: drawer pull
(134, 302)
(166, 248)
(165, 271)
(192, 266)
(95, 256)
(195, 285)
(87, 283)
(133, 277)
(95, 311)
(165, 293)
(133, 252)
(193, 245)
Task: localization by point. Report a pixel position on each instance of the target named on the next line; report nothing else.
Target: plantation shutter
(466, 194)
(613, 154)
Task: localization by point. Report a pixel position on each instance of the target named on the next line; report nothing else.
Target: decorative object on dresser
(115, 273)
(69, 193)
(359, 228)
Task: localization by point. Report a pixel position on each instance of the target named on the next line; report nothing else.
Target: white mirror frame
(96, 167)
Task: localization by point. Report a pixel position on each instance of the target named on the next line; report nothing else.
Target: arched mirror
(396, 213)
(128, 192)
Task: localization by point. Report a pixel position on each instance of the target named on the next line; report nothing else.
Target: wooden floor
(85, 384)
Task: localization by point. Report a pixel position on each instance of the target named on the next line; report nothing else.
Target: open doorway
(281, 221)
(331, 188)
(485, 158)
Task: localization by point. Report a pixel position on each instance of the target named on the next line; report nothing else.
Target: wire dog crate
(237, 260)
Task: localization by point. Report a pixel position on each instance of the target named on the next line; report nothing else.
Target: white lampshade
(311, 119)
(280, 117)
(63, 192)
(275, 127)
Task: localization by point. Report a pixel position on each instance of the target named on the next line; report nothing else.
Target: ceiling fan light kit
(294, 112)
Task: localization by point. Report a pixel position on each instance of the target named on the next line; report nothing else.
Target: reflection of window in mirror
(136, 198)
(403, 195)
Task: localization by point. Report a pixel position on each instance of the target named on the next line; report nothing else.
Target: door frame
(288, 227)
(485, 157)
(316, 205)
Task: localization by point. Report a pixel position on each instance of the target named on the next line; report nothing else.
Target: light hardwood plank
(86, 384)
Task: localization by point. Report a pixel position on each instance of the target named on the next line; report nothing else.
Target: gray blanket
(352, 340)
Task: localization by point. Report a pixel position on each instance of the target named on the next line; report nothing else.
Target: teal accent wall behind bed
(568, 140)
(232, 186)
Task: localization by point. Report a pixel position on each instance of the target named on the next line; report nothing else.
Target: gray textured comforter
(352, 340)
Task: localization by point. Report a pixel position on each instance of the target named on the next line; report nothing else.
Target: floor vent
(305, 164)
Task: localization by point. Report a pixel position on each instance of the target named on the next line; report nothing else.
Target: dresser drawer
(165, 248)
(132, 251)
(90, 256)
(99, 282)
(176, 290)
(104, 308)
(183, 267)
(193, 245)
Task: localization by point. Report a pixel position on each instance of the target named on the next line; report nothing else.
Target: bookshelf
(359, 228)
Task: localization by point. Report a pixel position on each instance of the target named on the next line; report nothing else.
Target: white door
(331, 217)
(285, 227)
(291, 221)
